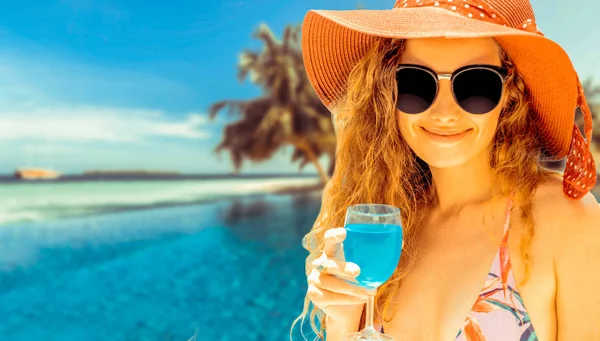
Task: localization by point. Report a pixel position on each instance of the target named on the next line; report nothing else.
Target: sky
(109, 84)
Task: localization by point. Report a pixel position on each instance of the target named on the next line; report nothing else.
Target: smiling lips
(446, 136)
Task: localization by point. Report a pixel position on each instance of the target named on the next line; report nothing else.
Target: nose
(444, 109)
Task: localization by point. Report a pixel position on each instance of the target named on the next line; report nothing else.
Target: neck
(464, 184)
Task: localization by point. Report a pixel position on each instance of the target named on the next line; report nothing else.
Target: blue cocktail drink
(374, 243)
(375, 249)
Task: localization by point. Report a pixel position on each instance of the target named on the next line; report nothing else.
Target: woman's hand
(328, 285)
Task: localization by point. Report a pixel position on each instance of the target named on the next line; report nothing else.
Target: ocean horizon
(151, 176)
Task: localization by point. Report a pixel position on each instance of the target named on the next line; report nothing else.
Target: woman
(445, 109)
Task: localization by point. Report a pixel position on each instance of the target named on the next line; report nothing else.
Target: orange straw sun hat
(333, 42)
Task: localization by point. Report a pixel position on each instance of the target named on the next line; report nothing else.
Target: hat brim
(334, 41)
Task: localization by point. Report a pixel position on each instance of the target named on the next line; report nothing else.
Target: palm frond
(214, 109)
(288, 110)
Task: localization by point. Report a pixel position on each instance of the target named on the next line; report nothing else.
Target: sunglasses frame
(501, 71)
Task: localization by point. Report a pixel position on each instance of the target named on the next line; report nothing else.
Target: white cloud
(63, 112)
(97, 124)
(51, 96)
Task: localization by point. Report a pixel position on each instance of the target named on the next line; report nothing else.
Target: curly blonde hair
(371, 154)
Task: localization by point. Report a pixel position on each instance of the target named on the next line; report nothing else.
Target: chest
(442, 287)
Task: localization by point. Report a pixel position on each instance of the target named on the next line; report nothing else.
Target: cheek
(407, 124)
(486, 126)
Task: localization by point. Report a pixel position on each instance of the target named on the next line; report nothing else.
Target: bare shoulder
(572, 223)
(553, 208)
(575, 253)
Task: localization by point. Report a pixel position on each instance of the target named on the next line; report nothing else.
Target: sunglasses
(477, 89)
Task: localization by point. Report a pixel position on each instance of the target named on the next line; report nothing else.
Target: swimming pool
(231, 270)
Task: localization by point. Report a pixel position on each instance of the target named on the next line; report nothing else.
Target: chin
(446, 160)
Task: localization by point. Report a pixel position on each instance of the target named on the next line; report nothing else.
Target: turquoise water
(231, 270)
(375, 248)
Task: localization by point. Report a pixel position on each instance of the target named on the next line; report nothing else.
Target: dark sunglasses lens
(416, 90)
(478, 91)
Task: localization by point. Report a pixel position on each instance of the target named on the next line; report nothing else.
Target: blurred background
(161, 163)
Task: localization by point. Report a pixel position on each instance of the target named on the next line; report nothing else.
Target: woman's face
(445, 117)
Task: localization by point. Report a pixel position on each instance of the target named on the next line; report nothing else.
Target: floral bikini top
(499, 313)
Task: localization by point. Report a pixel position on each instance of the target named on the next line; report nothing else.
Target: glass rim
(393, 210)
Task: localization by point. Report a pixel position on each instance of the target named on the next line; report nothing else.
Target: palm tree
(287, 114)
(592, 91)
(592, 95)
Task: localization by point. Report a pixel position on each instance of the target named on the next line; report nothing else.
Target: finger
(323, 298)
(337, 267)
(333, 239)
(335, 284)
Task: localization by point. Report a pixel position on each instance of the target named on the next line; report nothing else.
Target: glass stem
(370, 311)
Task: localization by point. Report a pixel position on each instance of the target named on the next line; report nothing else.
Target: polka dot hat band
(333, 41)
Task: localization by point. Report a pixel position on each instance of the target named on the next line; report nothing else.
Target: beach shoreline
(89, 211)
(300, 189)
(291, 190)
